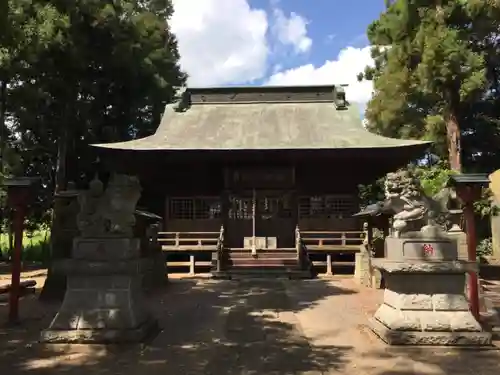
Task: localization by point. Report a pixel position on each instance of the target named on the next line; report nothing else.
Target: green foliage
(485, 207)
(484, 248)
(371, 193)
(433, 178)
(36, 246)
(436, 77)
(80, 72)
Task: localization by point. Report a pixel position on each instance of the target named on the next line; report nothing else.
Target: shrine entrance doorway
(264, 216)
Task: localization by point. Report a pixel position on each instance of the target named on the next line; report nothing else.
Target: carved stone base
(104, 301)
(394, 337)
(424, 300)
(101, 336)
(424, 304)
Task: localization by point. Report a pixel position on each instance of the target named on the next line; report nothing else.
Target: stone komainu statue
(412, 208)
(110, 212)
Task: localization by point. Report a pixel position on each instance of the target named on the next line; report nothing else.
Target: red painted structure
(18, 194)
(469, 188)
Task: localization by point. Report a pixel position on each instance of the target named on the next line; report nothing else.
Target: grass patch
(36, 246)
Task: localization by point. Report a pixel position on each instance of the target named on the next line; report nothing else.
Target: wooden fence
(190, 243)
(331, 244)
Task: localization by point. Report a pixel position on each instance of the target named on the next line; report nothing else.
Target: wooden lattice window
(327, 206)
(275, 207)
(240, 208)
(194, 208)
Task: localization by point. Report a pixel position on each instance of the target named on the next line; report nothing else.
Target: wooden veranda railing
(332, 244)
(308, 244)
(193, 243)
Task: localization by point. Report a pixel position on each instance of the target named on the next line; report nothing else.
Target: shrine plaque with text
(265, 178)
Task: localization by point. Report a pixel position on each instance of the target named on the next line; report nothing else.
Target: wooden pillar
(17, 198)
(471, 252)
(468, 194)
(294, 204)
(192, 265)
(19, 214)
(369, 234)
(329, 270)
(167, 213)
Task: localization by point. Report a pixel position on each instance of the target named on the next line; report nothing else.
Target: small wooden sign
(250, 178)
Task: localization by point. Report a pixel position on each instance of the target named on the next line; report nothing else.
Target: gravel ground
(242, 328)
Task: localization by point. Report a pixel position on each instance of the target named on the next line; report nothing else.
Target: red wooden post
(471, 252)
(19, 214)
(17, 198)
(469, 194)
(468, 187)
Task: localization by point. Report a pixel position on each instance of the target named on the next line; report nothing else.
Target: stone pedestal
(424, 300)
(104, 297)
(362, 272)
(456, 234)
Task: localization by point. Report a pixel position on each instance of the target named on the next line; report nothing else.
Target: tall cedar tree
(114, 68)
(430, 69)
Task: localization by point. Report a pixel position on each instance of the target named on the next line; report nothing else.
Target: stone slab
(434, 338)
(416, 266)
(101, 336)
(106, 249)
(421, 249)
(101, 267)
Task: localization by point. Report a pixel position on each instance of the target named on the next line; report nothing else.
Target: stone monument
(64, 231)
(424, 300)
(104, 300)
(494, 187)
(362, 268)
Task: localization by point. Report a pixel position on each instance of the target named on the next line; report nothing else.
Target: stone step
(259, 255)
(264, 262)
(248, 250)
(272, 273)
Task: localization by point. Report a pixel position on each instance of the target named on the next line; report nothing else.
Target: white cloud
(220, 41)
(227, 41)
(292, 30)
(343, 70)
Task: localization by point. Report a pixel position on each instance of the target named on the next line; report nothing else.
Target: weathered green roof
(261, 118)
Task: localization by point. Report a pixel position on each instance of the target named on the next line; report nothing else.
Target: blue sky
(333, 25)
(284, 42)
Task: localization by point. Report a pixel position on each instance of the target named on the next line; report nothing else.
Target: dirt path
(243, 328)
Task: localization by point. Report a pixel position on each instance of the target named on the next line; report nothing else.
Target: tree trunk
(11, 235)
(62, 151)
(3, 128)
(454, 142)
(3, 111)
(55, 284)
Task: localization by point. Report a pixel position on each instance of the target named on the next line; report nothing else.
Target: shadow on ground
(428, 360)
(29, 267)
(248, 327)
(208, 327)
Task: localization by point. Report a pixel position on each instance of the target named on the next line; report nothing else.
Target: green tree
(108, 79)
(431, 70)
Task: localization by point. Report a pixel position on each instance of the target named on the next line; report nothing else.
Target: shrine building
(259, 175)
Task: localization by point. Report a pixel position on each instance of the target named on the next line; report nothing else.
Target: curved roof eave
(266, 118)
